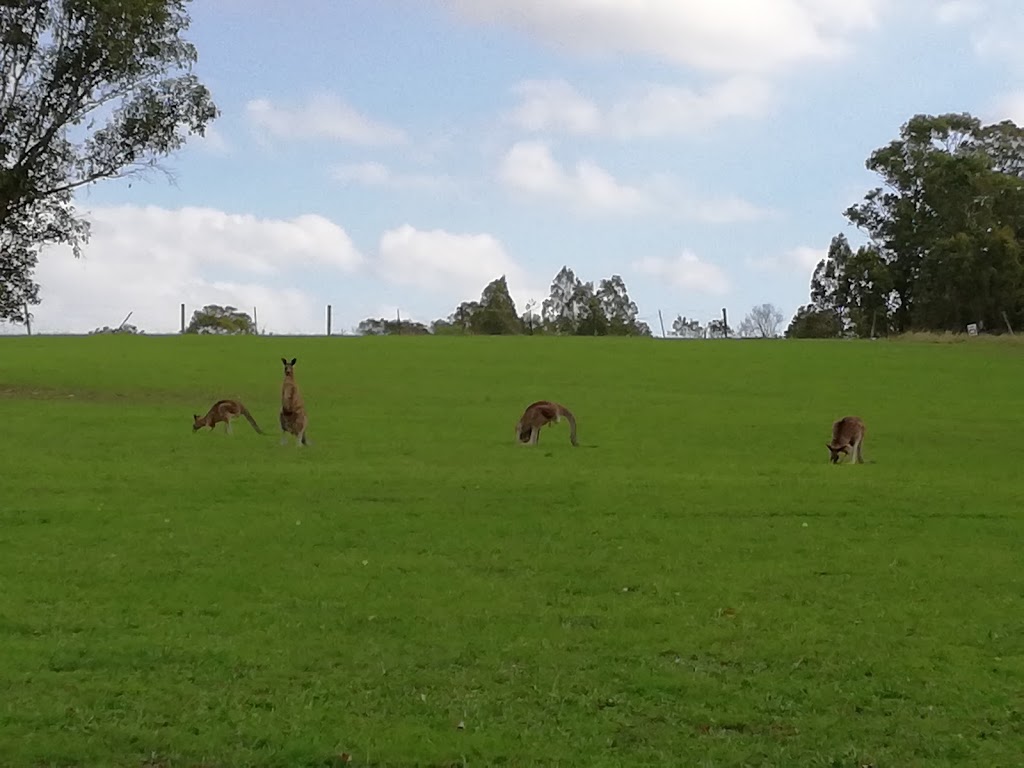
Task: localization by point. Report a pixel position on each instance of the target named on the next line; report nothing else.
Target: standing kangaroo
(537, 415)
(293, 411)
(847, 435)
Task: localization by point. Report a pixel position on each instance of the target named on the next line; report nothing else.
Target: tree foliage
(762, 322)
(89, 89)
(382, 327)
(856, 287)
(687, 329)
(531, 320)
(811, 322)
(126, 328)
(578, 308)
(620, 310)
(573, 308)
(495, 315)
(944, 232)
(561, 310)
(215, 319)
(718, 329)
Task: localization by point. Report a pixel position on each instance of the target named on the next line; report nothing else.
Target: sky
(395, 156)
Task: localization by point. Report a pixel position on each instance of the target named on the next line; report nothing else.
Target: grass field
(693, 586)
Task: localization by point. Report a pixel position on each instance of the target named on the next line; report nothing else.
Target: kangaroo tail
(572, 423)
(245, 412)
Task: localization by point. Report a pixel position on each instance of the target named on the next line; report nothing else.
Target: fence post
(182, 318)
(725, 324)
(660, 320)
(328, 319)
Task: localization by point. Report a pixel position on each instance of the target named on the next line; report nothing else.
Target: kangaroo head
(835, 450)
(289, 368)
(195, 422)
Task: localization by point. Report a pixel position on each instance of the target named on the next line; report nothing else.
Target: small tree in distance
(496, 314)
(127, 328)
(762, 322)
(381, 327)
(225, 321)
(687, 329)
(717, 329)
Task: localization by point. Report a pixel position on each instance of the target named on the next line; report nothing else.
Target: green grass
(693, 586)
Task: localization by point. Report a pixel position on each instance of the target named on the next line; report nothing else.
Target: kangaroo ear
(195, 416)
(294, 359)
(284, 361)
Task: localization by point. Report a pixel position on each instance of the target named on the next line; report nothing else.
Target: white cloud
(455, 267)
(436, 259)
(1010, 106)
(997, 28)
(726, 210)
(737, 36)
(555, 105)
(652, 111)
(323, 116)
(374, 174)
(958, 11)
(801, 260)
(806, 257)
(211, 141)
(530, 167)
(687, 271)
(150, 260)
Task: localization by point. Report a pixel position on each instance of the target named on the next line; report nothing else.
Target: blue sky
(384, 155)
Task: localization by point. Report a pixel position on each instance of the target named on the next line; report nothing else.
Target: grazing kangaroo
(847, 435)
(537, 415)
(224, 410)
(293, 411)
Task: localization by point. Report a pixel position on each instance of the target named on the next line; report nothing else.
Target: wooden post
(255, 322)
(28, 320)
(328, 319)
(660, 320)
(399, 314)
(725, 324)
(182, 318)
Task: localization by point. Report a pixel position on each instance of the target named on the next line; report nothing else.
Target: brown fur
(847, 435)
(537, 415)
(293, 410)
(223, 410)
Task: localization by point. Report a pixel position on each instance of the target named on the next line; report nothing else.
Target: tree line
(573, 308)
